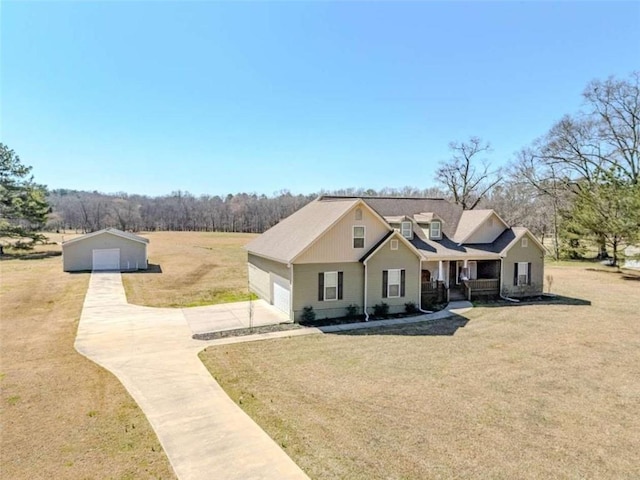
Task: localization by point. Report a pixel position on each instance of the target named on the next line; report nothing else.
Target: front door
(453, 273)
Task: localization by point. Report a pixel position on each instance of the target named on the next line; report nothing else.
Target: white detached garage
(108, 249)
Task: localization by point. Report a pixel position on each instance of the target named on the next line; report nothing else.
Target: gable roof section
(292, 236)
(471, 221)
(384, 240)
(510, 240)
(111, 231)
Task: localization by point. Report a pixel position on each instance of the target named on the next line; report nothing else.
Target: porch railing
(433, 291)
(482, 286)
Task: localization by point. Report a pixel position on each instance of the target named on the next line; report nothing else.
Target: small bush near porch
(529, 391)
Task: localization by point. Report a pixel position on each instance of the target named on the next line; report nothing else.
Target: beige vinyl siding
(267, 265)
(336, 245)
(305, 288)
(259, 282)
(486, 233)
(78, 256)
(530, 254)
(387, 259)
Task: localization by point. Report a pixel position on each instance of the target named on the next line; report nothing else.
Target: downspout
(366, 314)
(508, 299)
(291, 295)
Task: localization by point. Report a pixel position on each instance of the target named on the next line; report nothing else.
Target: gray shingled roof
(287, 239)
(397, 206)
(469, 221)
(294, 234)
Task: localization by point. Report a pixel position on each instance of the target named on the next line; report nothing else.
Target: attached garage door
(106, 259)
(281, 297)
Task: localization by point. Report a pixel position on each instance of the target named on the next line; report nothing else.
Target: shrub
(410, 307)
(381, 309)
(352, 311)
(308, 315)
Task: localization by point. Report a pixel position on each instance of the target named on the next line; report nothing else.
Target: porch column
(441, 270)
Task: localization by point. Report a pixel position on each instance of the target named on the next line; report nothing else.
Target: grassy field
(63, 417)
(537, 391)
(197, 269)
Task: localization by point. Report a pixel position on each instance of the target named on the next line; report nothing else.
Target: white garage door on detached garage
(106, 259)
(108, 249)
(281, 294)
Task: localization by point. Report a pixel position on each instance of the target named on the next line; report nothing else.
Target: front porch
(445, 281)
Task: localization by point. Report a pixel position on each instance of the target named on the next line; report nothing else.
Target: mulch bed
(241, 332)
(283, 327)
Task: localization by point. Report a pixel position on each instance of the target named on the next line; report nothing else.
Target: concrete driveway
(231, 316)
(203, 432)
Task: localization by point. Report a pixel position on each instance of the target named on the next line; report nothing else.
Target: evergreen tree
(23, 207)
(609, 210)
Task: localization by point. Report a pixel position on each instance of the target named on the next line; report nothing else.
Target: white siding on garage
(106, 259)
(259, 282)
(77, 254)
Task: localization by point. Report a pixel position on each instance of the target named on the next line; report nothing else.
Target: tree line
(579, 182)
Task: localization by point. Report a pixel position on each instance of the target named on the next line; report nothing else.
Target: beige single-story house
(108, 249)
(339, 252)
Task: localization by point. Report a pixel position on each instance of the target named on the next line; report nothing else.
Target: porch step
(456, 295)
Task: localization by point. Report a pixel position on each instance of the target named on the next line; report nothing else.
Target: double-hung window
(522, 274)
(406, 229)
(330, 286)
(393, 283)
(358, 237)
(435, 230)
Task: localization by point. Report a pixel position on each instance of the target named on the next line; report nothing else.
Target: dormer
(406, 229)
(402, 224)
(430, 223)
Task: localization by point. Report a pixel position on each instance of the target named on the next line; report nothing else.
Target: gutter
(291, 312)
(366, 314)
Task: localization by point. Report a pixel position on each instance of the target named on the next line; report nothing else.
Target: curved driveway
(204, 433)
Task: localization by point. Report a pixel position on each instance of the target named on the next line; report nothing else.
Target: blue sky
(225, 97)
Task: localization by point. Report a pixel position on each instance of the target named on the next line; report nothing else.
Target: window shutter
(515, 274)
(340, 277)
(529, 273)
(321, 286)
(402, 283)
(385, 282)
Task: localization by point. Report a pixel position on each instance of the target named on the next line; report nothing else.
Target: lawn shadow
(543, 300)
(630, 276)
(151, 268)
(30, 255)
(445, 327)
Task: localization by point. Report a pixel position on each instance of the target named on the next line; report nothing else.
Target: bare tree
(582, 153)
(615, 105)
(466, 175)
(548, 189)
